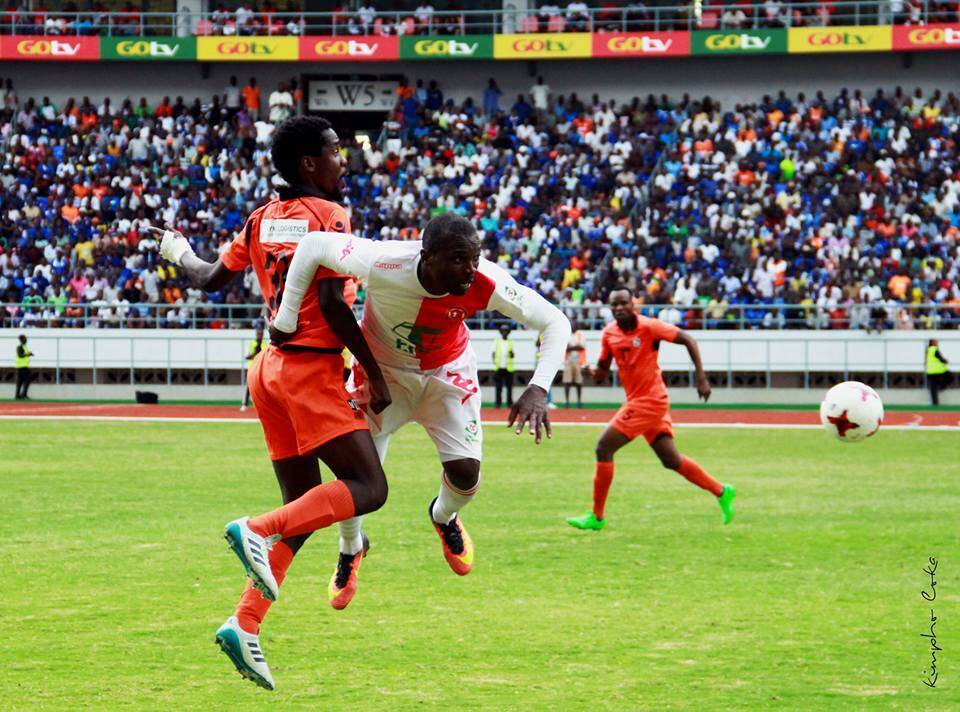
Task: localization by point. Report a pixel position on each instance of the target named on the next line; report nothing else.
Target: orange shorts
(301, 401)
(651, 420)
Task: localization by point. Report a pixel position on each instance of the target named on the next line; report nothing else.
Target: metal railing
(721, 316)
(755, 15)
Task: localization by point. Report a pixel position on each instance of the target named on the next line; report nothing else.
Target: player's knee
(603, 452)
(671, 462)
(463, 474)
(378, 494)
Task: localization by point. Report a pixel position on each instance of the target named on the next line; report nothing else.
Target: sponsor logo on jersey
(415, 339)
(282, 230)
(388, 265)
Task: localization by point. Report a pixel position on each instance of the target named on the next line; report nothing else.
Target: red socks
(253, 607)
(698, 476)
(602, 479)
(320, 507)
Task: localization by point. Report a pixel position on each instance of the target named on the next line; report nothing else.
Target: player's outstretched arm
(342, 254)
(703, 383)
(174, 247)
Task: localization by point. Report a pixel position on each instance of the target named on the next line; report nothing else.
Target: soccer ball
(851, 411)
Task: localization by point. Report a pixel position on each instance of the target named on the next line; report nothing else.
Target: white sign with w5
(325, 95)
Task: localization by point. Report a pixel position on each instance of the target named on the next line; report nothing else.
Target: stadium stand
(816, 212)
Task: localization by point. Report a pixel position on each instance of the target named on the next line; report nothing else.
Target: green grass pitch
(116, 577)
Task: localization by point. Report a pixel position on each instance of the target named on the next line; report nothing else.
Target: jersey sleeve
(335, 252)
(524, 305)
(236, 257)
(606, 353)
(662, 331)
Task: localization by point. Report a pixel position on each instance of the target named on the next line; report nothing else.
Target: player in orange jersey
(633, 341)
(297, 387)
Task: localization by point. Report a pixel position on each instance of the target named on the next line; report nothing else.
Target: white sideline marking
(742, 426)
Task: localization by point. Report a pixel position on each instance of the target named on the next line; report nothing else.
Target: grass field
(116, 577)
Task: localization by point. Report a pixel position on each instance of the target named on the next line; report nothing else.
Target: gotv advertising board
(927, 37)
(562, 45)
(738, 42)
(58, 49)
(462, 47)
(148, 48)
(849, 38)
(641, 44)
(248, 49)
(348, 49)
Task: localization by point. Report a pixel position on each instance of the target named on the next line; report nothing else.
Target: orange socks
(253, 607)
(320, 507)
(698, 476)
(602, 479)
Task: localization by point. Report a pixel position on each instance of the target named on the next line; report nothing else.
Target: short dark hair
(447, 228)
(295, 138)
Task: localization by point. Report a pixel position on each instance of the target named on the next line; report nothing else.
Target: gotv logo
(48, 48)
(925, 36)
(639, 44)
(741, 41)
(245, 48)
(142, 48)
(537, 45)
(345, 48)
(448, 48)
(836, 39)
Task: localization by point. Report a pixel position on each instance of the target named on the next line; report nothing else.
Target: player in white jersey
(418, 295)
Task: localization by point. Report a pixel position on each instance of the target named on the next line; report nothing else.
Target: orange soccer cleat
(343, 583)
(457, 544)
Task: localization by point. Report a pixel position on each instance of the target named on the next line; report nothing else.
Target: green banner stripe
(148, 49)
(447, 47)
(738, 42)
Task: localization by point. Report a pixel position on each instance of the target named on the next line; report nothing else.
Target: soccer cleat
(586, 521)
(725, 500)
(343, 583)
(457, 544)
(243, 649)
(253, 551)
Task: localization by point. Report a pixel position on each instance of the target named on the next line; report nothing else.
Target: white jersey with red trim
(406, 326)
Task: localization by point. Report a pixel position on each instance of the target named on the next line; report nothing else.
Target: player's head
(23, 338)
(450, 254)
(306, 151)
(621, 304)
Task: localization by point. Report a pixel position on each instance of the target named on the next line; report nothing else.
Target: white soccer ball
(851, 411)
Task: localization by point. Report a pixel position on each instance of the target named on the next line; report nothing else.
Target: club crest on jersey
(414, 339)
(636, 341)
(513, 294)
(457, 313)
(472, 432)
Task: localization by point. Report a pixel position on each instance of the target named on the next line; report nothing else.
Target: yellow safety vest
(255, 347)
(498, 347)
(22, 361)
(934, 365)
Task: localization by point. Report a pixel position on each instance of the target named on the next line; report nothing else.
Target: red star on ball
(842, 424)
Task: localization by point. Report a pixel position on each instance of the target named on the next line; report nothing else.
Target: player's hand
(379, 394)
(278, 337)
(703, 387)
(531, 407)
(173, 245)
(599, 375)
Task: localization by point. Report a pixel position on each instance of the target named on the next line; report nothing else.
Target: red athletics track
(702, 417)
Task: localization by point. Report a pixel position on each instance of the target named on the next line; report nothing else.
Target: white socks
(351, 542)
(451, 500)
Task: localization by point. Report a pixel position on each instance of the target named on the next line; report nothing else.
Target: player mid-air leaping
(633, 341)
(418, 295)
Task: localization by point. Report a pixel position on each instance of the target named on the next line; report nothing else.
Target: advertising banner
(906, 37)
(59, 49)
(148, 48)
(335, 95)
(349, 49)
(738, 42)
(561, 45)
(248, 49)
(843, 38)
(430, 47)
(641, 44)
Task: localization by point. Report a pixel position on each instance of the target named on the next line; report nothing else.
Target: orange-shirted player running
(633, 341)
(297, 387)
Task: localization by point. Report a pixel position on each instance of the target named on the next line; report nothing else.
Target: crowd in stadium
(818, 204)
(269, 17)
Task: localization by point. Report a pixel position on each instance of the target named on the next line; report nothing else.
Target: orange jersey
(268, 242)
(635, 353)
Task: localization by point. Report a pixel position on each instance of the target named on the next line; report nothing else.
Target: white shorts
(445, 401)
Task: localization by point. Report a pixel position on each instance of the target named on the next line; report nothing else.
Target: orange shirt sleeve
(605, 351)
(236, 257)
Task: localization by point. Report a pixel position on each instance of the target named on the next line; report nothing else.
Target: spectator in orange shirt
(898, 285)
(251, 99)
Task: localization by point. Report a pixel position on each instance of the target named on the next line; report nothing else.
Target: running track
(703, 418)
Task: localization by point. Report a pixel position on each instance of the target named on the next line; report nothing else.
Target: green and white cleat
(243, 649)
(725, 500)
(586, 521)
(253, 551)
